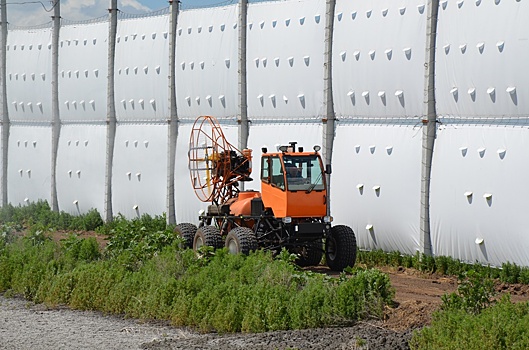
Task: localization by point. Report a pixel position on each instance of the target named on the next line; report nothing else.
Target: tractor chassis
(272, 233)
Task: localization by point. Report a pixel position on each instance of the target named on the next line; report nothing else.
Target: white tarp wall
(29, 164)
(29, 103)
(142, 56)
(378, 58)
(378, 82)
(285, 76)
(206, 62)
(376, 184)
(140, 161)
(480, 160)
(285, 60)
(140, 171)
(81, 168)
(378, 78)
(83, 67)
(206, 48)
(29, 75)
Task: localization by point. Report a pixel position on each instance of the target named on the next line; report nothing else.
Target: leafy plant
(502, 326)
(474, 293)
(221, 291)
(138, 239)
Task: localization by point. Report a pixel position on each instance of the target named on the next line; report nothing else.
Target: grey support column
(56, 118)
(173, 114)
(429, 126)
(244, 129)
(5, 112)
(111, 108)
(329, 120)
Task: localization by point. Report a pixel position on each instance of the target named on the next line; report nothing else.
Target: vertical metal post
(244, 129)
(5, 111)
(56, 119)
(429, 126)
(173, 114)
(111, 108)
(329, 120)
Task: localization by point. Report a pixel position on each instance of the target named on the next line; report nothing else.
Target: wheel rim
(199, 242)
(331, 249)
(233, 247)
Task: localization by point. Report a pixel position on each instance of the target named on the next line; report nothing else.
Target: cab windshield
(303, 173)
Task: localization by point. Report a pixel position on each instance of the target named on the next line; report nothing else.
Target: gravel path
(27, 326)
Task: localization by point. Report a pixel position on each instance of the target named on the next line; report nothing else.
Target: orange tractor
(290, 211)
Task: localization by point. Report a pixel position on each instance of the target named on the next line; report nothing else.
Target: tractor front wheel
(241, 240)
(340, 248)
(207, 235)
(187, 232)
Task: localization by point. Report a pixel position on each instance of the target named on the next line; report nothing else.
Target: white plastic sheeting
(482, 56)
(478, 193)
(29, 75)
(378, 58)
(206, 62)
(285, 59)
(83, 68)
(142, 60)
(479, 168)
(376, 185)
(140, 170)
(81, 168)
(187, 203)
(274, 135)
(29, 166)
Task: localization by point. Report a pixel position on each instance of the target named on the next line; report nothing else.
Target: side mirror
(328, 169)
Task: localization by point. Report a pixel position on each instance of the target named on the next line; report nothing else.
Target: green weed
(501, 326)
(475, 292)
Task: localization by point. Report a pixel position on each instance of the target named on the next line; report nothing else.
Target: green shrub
(76, 248)
(501, 326)
(475, 292)
(219, 291)
(40, 213)
(139, 238)
(510, 273)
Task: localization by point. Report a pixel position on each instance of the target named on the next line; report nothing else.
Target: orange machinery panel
(294, 203)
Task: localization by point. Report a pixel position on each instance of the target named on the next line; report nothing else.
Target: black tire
(207, 235)
(241, 240)
(187, 232)
(309, 255)
(340, 248)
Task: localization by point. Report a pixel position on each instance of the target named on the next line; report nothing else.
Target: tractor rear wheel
(340, 248)
(241, 240)
(187, 232)
(207, 235)
(309, 255)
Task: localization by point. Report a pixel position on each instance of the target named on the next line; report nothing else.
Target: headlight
(201, 212)
(327, 219)
(287, 220)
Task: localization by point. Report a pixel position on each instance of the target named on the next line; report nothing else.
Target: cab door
(273, 185)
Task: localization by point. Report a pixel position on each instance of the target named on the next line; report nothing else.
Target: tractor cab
(293, 182)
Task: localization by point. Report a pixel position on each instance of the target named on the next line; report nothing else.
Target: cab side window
(278, 177)
(265, 169)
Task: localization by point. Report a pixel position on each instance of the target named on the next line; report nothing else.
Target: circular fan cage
(215, 165)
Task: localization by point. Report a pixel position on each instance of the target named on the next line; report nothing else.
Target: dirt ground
(417, 296)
